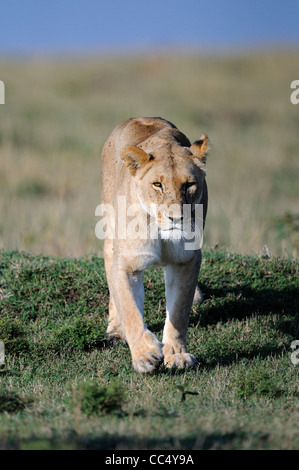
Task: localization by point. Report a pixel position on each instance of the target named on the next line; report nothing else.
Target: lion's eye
(189, 184)
(157, 184)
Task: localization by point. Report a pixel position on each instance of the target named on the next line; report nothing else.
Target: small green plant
(98, 400)
(13, 334)
(185, 392)
(11, 402)
(82, 335)
(256, 383)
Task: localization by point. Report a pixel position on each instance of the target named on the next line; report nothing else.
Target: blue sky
(36, 26)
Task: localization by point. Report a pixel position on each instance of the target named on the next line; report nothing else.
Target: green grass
(63, 386)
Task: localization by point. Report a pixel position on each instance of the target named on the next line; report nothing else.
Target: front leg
(180, 283)
(128, 293)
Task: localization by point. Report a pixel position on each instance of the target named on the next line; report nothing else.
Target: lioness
(152, 164)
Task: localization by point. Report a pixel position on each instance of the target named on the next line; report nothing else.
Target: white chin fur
(175, 234)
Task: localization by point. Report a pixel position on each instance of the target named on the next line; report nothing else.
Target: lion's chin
(172, 233)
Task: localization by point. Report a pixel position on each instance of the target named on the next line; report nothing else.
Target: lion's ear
(134, 158)
(200, 149)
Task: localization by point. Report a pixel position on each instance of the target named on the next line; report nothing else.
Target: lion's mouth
(172, 228)
(172, 232)
(181, 230)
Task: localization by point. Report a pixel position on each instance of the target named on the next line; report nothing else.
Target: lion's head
(168, 176)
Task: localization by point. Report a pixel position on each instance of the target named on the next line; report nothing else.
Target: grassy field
(62, 384)
(59, 112)
(64, 387)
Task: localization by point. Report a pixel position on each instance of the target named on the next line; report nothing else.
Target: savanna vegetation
(62, 385)
(58, 114)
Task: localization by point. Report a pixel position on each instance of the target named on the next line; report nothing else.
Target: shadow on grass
(242, 302)
(196, 441)
(234, 357)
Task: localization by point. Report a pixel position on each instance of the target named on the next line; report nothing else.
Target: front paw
(148, 354)
(180, 360)
(148, 362)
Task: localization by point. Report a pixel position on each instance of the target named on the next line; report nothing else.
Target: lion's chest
(174, 251)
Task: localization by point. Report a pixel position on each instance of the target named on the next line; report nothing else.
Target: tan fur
(139, 153)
